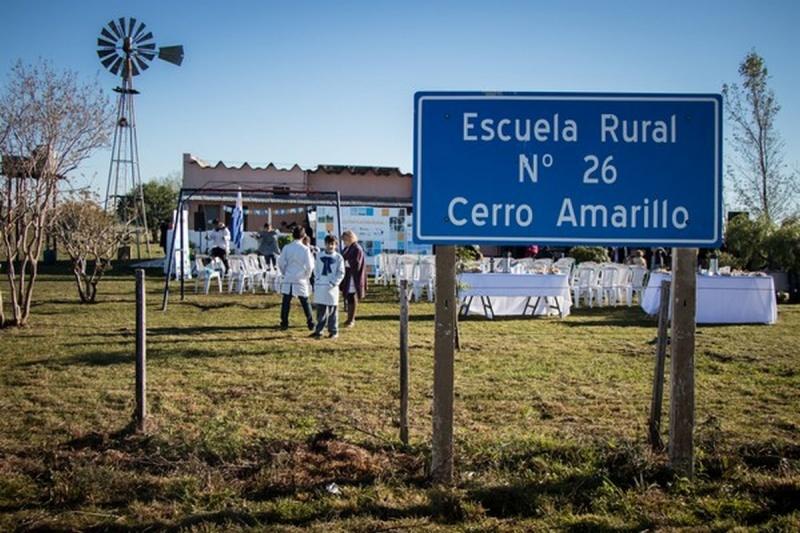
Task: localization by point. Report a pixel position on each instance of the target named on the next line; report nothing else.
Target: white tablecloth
(512, 294)
(723, 299)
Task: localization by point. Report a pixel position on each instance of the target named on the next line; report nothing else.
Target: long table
(514, 294)
(723, 299)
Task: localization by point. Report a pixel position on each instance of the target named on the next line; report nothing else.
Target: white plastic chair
(406, 268)
(584, 284)
(609, 284)
(425, 277)
(238, 278)
(379, 269)
(258, 274)
(270, 273)
(565, 265)
(207, 273)
(637, 283)
(390, 266)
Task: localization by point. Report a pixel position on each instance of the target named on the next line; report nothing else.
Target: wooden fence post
(404, 361)
(681, 419)
(141, 352)
(443, 363)
(658, 378)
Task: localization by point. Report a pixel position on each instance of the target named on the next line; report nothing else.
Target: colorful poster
(379, 229)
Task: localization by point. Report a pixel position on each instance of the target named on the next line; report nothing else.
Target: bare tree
(760, 178)
(91, 237)
(52, 122)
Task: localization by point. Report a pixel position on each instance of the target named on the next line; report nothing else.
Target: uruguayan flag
(237, 221)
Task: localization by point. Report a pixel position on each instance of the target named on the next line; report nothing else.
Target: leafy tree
(745, 239)
(160, 199)
(91, 237)
(760, 178)
(755, 244)
(50, 121)
(783, 246)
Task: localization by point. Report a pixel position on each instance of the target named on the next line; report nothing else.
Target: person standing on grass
(220, 242)
(354, 285)
(296, 264)
(268, 244)
(328, 273)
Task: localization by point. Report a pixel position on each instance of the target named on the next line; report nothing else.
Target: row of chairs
(419, 271)
(607, 283)
(245, 272)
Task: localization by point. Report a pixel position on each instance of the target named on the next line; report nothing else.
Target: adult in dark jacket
(354, 285)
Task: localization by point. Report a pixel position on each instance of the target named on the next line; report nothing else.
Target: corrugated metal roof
(309, 200)
(322, 168)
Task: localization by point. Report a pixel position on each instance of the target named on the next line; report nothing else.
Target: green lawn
(249, 424)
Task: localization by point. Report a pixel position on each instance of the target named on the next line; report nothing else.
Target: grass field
(250, 424)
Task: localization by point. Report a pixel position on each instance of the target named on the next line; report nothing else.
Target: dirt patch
(290, 466)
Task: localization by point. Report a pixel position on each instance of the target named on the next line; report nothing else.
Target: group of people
(331, 272)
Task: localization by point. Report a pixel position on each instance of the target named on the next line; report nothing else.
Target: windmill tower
(125, 49)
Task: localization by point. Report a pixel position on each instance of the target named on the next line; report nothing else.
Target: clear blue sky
(333, 82)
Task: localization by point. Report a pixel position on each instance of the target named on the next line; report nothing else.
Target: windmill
(126, 49)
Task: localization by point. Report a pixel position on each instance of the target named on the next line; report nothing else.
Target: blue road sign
(568, 169)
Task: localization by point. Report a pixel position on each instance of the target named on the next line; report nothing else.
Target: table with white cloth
(514, 294)
(723, 299)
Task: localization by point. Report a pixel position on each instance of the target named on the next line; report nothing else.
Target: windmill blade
(134, 68)
(105, 44)
(146, 46)
(171, 54)
(146, 37)
(142, 64)
(107, 34)
(114, 29)
(122, 25)
(107, 61)
(148, 55)
(117, 64)
(131, 24)
(103, 53)
(139, 31)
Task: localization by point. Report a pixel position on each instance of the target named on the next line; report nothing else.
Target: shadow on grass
(527, 499)
(228, 305)
(394, 318)
(204, 330)
(604, 316)
(156, 351)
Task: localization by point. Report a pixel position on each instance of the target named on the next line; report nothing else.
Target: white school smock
(296, 264)
(328, 274)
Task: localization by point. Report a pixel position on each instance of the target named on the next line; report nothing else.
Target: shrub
(589, 253)
(468, 253)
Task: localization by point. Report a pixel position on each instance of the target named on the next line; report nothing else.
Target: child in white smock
(328, 274)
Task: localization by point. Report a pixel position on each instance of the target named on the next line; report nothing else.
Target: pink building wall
(198, 173)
